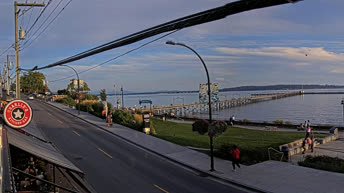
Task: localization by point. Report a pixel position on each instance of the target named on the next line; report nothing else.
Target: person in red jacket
(236, 157)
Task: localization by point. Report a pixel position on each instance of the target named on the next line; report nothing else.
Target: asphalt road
(113, 165)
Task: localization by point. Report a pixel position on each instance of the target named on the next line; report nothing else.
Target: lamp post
(77, 75)
(209, 97)
(122, 97)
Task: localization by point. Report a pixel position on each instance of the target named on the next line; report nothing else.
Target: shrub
(126, 119)
(201, 126)
(91, 97)
(138, 118)
(246, 121)
(247, 156)
(85, 107)
(324, 163)
(278, 122)
(67, 101)
(287, 123)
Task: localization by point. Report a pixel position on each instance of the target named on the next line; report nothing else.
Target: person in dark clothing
(236, 157)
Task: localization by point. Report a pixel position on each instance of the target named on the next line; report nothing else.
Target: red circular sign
(17, 114)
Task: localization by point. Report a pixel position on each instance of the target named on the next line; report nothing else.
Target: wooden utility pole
(7, 76)
(16, 12)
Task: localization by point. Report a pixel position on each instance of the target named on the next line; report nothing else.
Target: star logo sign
(18, 114)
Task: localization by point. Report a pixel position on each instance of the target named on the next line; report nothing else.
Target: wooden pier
(189, 109)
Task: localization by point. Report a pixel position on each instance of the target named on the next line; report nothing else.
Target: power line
(28, 31)
(47, 25)
(43, 24)
(125, 53)
(6, 50)
(188, 21)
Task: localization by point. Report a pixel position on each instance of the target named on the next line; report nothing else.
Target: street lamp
(209, 97)
(77, 75)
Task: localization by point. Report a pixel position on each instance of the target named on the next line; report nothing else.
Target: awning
(40, 149)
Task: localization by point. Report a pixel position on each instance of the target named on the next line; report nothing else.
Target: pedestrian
(236, 157)
(305, 125)
(310, 144)
(308, 123)
(109, 119)
(231, 121)
(308, 131)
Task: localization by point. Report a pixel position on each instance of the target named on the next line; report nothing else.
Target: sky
(299, 43)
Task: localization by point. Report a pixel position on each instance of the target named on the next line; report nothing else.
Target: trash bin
(285, 151)
(334, 131)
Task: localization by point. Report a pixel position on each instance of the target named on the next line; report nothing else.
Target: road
(113, 165)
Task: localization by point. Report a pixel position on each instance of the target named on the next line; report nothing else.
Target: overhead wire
(188, 21)
(46, 25)
(125, 53)
(6, 50)
(39, 16)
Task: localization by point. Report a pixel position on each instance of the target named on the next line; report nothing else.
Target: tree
(74, 89)
(32, 82)
(62, 92)
(13, 87)
(103, 94)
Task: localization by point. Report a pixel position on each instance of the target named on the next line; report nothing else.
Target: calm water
(320, 109)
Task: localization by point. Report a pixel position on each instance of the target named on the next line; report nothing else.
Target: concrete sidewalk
(269, 176)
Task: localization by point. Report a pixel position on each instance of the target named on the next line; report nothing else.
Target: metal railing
(276, 151)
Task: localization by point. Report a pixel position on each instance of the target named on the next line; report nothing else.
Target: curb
(168, 158)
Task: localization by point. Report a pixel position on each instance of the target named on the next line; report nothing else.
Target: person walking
(308, 131)
(236, 157)
(310, 144)
(109, 119)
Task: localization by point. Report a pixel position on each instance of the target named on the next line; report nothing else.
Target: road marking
(76, 133)
(60, 121)
(105, 153)
(50, 114)
(160, 188)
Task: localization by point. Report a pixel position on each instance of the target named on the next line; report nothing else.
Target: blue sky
(299, 43)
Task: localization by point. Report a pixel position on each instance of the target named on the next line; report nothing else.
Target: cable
(6, 50)
(28, 31)
(188, 21)
(47, 25)
(125, 53)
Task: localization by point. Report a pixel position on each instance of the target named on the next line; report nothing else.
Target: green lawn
(248, 140)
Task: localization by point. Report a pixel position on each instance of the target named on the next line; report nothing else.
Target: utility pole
(7, 76)
(16, 13)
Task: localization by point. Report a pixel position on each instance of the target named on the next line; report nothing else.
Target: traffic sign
(17, 114)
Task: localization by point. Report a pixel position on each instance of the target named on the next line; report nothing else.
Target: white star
(18, 114)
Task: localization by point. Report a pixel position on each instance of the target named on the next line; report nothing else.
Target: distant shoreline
(244, 88)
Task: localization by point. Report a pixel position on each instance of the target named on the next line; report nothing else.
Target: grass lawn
(247, 139)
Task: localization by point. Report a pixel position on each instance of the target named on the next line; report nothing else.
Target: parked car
(31, 97)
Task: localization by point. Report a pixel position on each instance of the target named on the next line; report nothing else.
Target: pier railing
(187, 109)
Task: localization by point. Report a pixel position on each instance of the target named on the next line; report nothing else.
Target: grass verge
(253, 144)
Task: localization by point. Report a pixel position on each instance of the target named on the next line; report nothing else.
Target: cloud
(337, 71)
(301, 54)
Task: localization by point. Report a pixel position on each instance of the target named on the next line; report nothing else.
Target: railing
(276, 151)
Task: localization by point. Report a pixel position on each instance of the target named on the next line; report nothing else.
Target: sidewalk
(269, 176)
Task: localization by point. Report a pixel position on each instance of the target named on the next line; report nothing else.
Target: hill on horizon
(282, 87)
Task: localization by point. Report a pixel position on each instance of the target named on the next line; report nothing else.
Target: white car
(31, 97)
